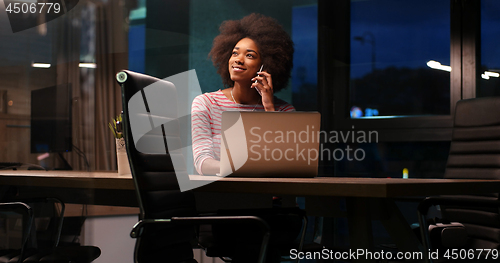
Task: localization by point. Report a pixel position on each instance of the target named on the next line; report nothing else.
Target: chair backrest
(16, 219)
(475, 153)
(152, 169)
(47, 215)
(41, 224)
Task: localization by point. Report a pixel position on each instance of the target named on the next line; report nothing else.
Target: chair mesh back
(475, 154)
(154, 175)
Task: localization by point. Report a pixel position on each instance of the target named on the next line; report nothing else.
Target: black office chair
(474, 154)
(13, 246)
(169, 222)
(36, 238)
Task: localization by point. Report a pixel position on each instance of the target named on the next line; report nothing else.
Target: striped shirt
(206, 117)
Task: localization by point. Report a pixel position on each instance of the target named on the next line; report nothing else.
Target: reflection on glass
(392, 44)
(305, 61)
(489, 81)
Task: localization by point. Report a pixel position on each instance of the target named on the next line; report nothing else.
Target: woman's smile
(238, 69)
(245, 61)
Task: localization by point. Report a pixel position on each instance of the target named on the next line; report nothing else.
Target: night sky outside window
(399, 56)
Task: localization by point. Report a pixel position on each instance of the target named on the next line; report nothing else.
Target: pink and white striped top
(206, 117)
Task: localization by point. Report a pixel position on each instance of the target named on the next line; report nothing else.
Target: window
(385, 66)
(400, 58)
(305, 70)
(489, 79)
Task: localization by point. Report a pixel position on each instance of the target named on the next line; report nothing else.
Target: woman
(254, 57)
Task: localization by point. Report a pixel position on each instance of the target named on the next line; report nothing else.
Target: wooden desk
(67, 179)
(320, 186)
(78, 187)
(348, 187)
(366, 199)
(363, 194)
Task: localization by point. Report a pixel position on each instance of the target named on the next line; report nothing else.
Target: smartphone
(261, 67)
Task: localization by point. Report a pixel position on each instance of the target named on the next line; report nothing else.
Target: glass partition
(400, 58)
(489, 81)
(84, 48)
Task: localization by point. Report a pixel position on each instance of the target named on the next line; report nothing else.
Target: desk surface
(109, 188)
(67, 179)
(320, 186)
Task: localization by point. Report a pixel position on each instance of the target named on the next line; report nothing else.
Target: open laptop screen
(270, 144)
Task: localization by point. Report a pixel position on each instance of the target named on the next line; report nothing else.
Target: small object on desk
(10, 165)
(20, 166)
(121, 151)
(35, 167)
(116, 127)
(122, 157)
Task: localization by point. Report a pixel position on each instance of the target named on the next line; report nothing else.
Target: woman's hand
(210, 167)
(264, 85)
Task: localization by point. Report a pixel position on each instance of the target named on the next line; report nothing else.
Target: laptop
(270, 144)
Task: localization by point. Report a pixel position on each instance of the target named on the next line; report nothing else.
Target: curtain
(93, 31)
(67, 52)
(111, 56)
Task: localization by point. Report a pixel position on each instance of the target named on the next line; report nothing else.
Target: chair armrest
(18, 207)
(270, 211)
(137, 229)
(424, 206)
(264, 211)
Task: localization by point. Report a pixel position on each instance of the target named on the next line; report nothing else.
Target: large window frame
(333, 81)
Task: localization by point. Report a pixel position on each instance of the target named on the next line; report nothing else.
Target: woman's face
(245, 60)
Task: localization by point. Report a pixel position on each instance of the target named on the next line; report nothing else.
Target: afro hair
(273, 42)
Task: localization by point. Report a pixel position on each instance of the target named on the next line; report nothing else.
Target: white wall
(112, 235)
